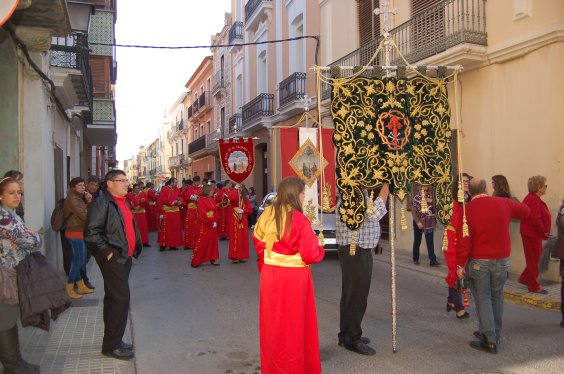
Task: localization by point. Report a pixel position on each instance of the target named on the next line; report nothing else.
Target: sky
(150, 80)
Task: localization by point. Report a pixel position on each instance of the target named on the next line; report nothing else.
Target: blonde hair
(535, 183)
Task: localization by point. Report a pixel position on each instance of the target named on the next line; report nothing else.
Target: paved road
(205, 320)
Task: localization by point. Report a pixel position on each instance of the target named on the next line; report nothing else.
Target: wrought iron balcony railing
(72, 52)
(235, 123)
(218, 80)
(427, 33)
(292, 88)
(260, 106)
(236, 32)
(197, 145)
(204, 100)
(252, 6)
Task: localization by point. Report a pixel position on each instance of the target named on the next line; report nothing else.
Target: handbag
(8, 286)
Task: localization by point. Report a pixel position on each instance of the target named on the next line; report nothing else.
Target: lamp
(79, 14)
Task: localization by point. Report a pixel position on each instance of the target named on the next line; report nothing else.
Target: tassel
(464, 294)
(460, 192)
(352, 250)
(465, 232)
(424, 206)
(320, 237)
(370, 206)
(445, 241)
(403, 221)
(326, 199)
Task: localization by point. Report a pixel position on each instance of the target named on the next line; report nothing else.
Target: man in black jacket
(112, 238)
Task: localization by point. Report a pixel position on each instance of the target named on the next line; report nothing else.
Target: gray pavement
(205, 320)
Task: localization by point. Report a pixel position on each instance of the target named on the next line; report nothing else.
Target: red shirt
(488, 224)
(128, 223)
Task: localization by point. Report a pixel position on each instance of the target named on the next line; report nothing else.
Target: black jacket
(105, 230)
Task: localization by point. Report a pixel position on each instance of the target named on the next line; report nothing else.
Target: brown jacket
(74, 203)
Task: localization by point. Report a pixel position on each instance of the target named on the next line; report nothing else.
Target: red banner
(237, 158)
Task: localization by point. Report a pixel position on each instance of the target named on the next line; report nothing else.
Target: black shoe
(234, 261)
(541, 291)
(449, 307)
(173, 249)
(125, 346)
(464, 316)
(187, 248)
(88, 284)
(478, 334)
(434, 263)
(146, 245)
(242, 261)
(162, 249)
(415, 262)
(360, 348)
(214, 263)
(482, 345)
(194, 266)
(363, 339)
(120, 354)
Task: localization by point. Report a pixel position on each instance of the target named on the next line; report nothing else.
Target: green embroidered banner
(393, 131)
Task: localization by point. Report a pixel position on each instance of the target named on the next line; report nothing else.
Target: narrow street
(205, 320)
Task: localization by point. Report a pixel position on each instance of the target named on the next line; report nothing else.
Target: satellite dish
(7, 8)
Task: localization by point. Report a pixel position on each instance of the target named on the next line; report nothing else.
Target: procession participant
(534, 229)
(455, 300)
(170, 231)
(356, 269)
(484, 257)
(286, 245)
(137, 200)
(228, 190)
(152, 214)
(206, 248)
(183, 210)
(190, 199)
(239, 233)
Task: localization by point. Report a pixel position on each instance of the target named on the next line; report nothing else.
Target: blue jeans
(487, 278)
(417, 236)
(78, 254)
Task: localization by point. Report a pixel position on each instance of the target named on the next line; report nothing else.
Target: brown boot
(82, 289)
(71, 292)
(10, 355)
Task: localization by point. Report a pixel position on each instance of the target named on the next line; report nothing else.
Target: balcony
(235, 123)
(197, 145)
(174, 161)
(69, 57)
(101, 131)
(256, 11)
(218, 83)
(200, 106)
(236, 33)
(260, 106)
(451, 32)
(292, 89)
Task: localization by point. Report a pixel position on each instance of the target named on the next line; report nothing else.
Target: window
(296, 61)
(368, 22)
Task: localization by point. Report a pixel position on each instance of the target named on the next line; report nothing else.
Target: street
(205, 320)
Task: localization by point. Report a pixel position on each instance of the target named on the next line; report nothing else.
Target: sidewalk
(513, 290)
(74, 342)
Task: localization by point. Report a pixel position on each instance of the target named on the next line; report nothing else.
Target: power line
(316, 37)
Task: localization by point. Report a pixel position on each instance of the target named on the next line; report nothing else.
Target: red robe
(450, 253)
(152, 213)
(289, 341)
(221, 202)
(191, 229)
(206, 248)
(139, 204)
(170, 232)
(231, 196)
(239, 239)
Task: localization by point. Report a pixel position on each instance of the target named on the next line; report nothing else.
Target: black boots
(10, 354)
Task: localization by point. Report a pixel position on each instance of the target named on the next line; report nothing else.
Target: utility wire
(316, 37)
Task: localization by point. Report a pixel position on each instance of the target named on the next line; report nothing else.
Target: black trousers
(67, 252)
(562, 288)
(116, 300)
(356, 278)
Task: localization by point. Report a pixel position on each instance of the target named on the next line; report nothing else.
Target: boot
(70, 291)
(82, 289)
(10, 355)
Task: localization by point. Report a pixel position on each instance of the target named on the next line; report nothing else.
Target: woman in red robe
(206, 248)
(170, 230)
(221, 202)
(152, 213)
(239, 233)
(190, 199)
(286, 245)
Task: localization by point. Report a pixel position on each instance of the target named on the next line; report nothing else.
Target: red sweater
(537, 224)
(488, 224)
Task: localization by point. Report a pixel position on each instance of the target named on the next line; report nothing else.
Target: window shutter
(367, 21)
(100, 77)
(420, 5)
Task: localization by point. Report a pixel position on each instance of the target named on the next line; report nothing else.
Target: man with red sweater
(112, 237)
(483, 256)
